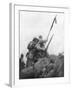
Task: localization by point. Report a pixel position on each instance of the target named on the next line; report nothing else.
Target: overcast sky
(33, 24)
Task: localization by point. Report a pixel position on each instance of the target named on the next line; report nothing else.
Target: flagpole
(54, 20)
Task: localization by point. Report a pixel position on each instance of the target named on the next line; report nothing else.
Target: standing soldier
(40, 46)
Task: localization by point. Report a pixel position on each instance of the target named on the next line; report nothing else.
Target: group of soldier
(36, 50)
(37, 47)
(39, 62)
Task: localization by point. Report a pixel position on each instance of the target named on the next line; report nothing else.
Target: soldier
(40, 48)
(41, 43)
(21, 64)
(32, 51)
(32, 43)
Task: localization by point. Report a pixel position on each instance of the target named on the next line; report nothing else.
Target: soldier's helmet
(40, 37)
(22, 55)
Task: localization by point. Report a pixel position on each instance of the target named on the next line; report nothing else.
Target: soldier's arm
(44, 41)
(38, 47)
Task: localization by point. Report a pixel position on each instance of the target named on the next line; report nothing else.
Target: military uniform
(32, 52)
(36, 50)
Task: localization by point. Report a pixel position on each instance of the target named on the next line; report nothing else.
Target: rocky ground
(52, 66)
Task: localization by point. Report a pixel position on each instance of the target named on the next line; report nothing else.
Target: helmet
(40, 37)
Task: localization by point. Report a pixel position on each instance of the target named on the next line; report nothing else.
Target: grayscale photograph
(41, 44)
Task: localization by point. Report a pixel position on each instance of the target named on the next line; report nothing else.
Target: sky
(33, 24)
